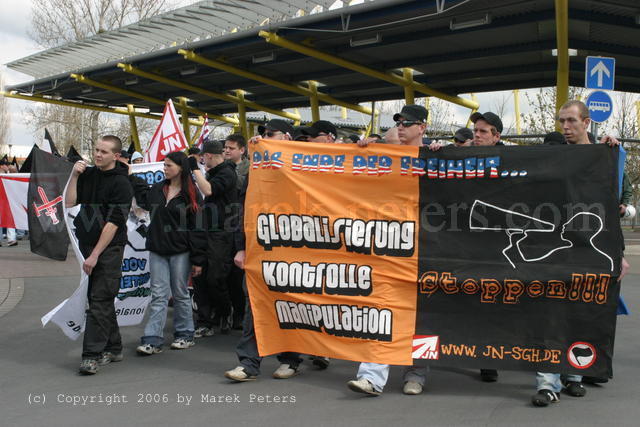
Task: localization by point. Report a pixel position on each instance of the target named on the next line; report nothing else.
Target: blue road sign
(600, 106)
(600, 73)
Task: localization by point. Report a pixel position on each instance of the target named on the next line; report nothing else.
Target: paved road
(38, 374)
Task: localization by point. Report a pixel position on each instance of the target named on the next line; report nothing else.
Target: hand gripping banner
(500, 257)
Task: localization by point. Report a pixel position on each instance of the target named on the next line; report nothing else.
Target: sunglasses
(407, 123)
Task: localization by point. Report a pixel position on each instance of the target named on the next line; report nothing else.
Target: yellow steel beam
(128, 68)
(474, 99)
(121, 111)
(392, 78)
(516, 101)
(409, 93)
(313, 100)
(133, 127)
(562, 38)
(242, 114)
(196, 132)
(126, 92)
(184, 115)
(299, 89)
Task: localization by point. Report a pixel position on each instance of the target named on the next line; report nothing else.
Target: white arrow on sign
(601, 69)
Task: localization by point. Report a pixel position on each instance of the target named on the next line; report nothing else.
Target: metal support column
(134, 128)
(242, 114)
(562, 37)
(409, 93)
(313, 100)
(184, 115)
(516, 102)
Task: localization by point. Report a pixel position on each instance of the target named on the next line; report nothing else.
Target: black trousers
(101, 331)
(212, 290)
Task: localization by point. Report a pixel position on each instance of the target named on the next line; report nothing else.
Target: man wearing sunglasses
(411, 122)
(320, 131)
(277, 129)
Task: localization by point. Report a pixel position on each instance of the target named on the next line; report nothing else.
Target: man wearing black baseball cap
(320, 131)
(276, 129)
(411, 122)
(463, 137)
(487, 128)
(220, 204)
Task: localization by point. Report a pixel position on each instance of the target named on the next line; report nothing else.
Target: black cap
(463, 134)
(412, 113)
(276, 124)
(488, 117)
(320, 126)
(193, 150)
(125, 154)
(212, 147)
(554, 138)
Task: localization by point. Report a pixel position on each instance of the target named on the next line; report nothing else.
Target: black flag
(132, 148)
(26, 165)
(47, 230)
(73, 155)
(14, 162)
(48, 145)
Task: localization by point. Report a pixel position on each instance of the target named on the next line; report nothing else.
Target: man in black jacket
(220, 204)
(105, 196)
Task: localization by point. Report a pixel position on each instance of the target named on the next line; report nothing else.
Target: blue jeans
(547, 381)
(378, 374)
(169, 275)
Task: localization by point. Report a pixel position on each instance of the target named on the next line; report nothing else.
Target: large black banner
(519, 254)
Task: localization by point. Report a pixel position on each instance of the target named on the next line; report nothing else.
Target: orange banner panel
(332, 249)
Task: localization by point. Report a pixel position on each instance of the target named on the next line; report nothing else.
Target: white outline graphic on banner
(525, 233)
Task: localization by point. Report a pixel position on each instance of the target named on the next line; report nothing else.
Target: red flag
(168, 137)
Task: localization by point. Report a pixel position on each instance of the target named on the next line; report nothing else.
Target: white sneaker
(285, 371)
(239, 374)
(148, 349)
(412, 387)
(182, 344)
(363, 386)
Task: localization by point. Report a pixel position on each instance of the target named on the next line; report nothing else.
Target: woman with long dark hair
(177, 245)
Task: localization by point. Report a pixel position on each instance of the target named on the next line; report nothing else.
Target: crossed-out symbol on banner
(49, 207)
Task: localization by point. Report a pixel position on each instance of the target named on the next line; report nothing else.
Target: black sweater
(104, 197)
(174, 228)
(222, 206)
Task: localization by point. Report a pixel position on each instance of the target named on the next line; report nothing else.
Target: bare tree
(541, 118)
(56, 22)
(4, 120)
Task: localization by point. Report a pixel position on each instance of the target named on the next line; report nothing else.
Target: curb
(11, 292)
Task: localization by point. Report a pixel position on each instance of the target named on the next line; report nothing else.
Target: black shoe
(226, 323)
(575, 389)
(489, 375)
(544, 397)
(320, 362)
(594, 380)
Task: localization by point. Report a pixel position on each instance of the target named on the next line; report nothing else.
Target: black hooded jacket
(104, 196)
